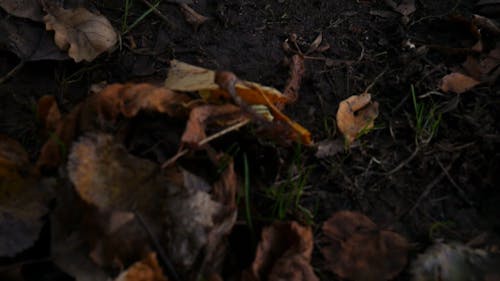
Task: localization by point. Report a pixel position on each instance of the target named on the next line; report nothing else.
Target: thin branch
(12, 72)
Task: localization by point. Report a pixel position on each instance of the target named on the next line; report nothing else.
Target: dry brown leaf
(184, 77)
(102, 109)
(357, 250)
(457, 83)
(107, 176)
(22, 203)
(147, 269)
(210, 85)
(355, 115)
(85, 35)
(200, 116)
(297, 70)
(284, 251)
(30, 9)
(48, 113)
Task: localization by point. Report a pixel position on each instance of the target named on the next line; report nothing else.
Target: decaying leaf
(355, 115)
(195, 221)
(284, 253)
(184, 77)
(357, 250)
(28, 41)
(297, 70)
(144, 270)
(31, 9)
(447, 262)
(48, 113)
(85, 35)
(210, 85)
(105, 175)
(199, 117)
(22, 202)
(457, 83)
(102, 109)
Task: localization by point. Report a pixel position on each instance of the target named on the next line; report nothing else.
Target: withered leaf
(357, 250)
(28, 41)
(22, 202)
(356, 114)
(102, 109)
(284, 253)
(30, 9)
(48, 112)
(147, 269)
(457, 83)
(187, 78)
(107, 176)
(201, 115)
(85, 35)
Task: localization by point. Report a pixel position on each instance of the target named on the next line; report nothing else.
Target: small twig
(404, 163)
(461, 192)
(169, 268)
(12, 72)
(426, 192)
(205, 141)
(375, 80)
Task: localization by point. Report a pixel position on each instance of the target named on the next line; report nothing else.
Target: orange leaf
(147, 269)
(355, 114)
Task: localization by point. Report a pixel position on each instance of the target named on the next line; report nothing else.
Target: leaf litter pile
(121, 161)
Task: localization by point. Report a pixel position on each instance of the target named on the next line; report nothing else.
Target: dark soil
(445, 188)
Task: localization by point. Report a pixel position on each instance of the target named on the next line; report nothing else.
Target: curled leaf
(355, 115)
(191, 16)
(85, 35)
(457, 83)
(357, 250)
(284, 253)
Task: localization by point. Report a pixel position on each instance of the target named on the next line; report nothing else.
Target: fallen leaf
(191, 16)
(194, 222)
(147, 269)
(107, 176)
(355, 115)
(184, 77)
(201, 115)
(357, 250)
(48, 113)
(284, 253)
(457, 83)
(85, 35)
(22, 202)
(29, 41)
(101, 110)
(30, 9)
(457, 262)
(216, 86)
(297, 70)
